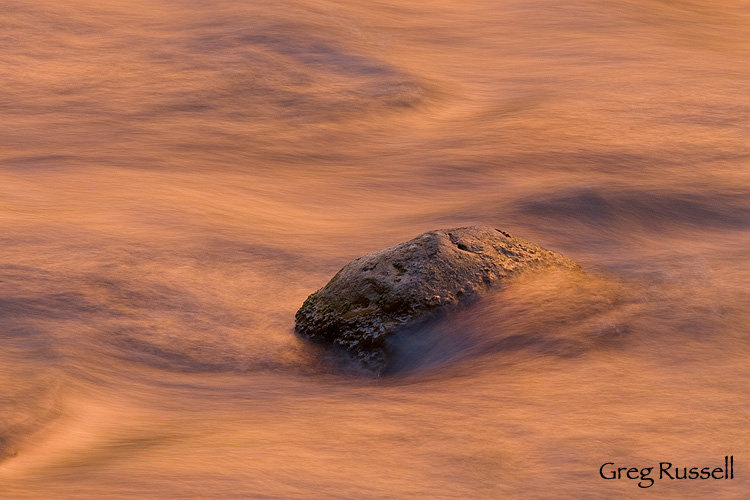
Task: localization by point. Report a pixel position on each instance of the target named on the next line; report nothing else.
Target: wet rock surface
(380, 293)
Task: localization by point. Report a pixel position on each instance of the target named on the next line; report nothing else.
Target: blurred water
(177, 176)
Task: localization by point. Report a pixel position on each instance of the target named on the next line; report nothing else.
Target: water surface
(177, 176)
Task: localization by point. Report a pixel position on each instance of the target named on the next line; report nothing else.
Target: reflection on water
(176, 177)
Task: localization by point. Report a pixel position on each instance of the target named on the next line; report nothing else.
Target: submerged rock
(380, 293)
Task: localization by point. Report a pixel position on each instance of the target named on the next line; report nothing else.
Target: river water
(176, 176)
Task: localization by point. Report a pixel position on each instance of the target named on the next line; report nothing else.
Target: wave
(646, 209)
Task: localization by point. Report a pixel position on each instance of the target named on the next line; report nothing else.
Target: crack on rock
(503, 233)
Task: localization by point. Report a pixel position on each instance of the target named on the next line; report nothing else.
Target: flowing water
(176, 176)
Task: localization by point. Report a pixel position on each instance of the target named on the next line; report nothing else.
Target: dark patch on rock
(381, 293)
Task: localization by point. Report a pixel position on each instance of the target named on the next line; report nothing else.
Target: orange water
(177, 176)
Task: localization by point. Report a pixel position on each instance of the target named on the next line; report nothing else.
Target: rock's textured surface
(377, 294)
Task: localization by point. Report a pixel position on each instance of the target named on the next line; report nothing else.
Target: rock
(380, 293)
